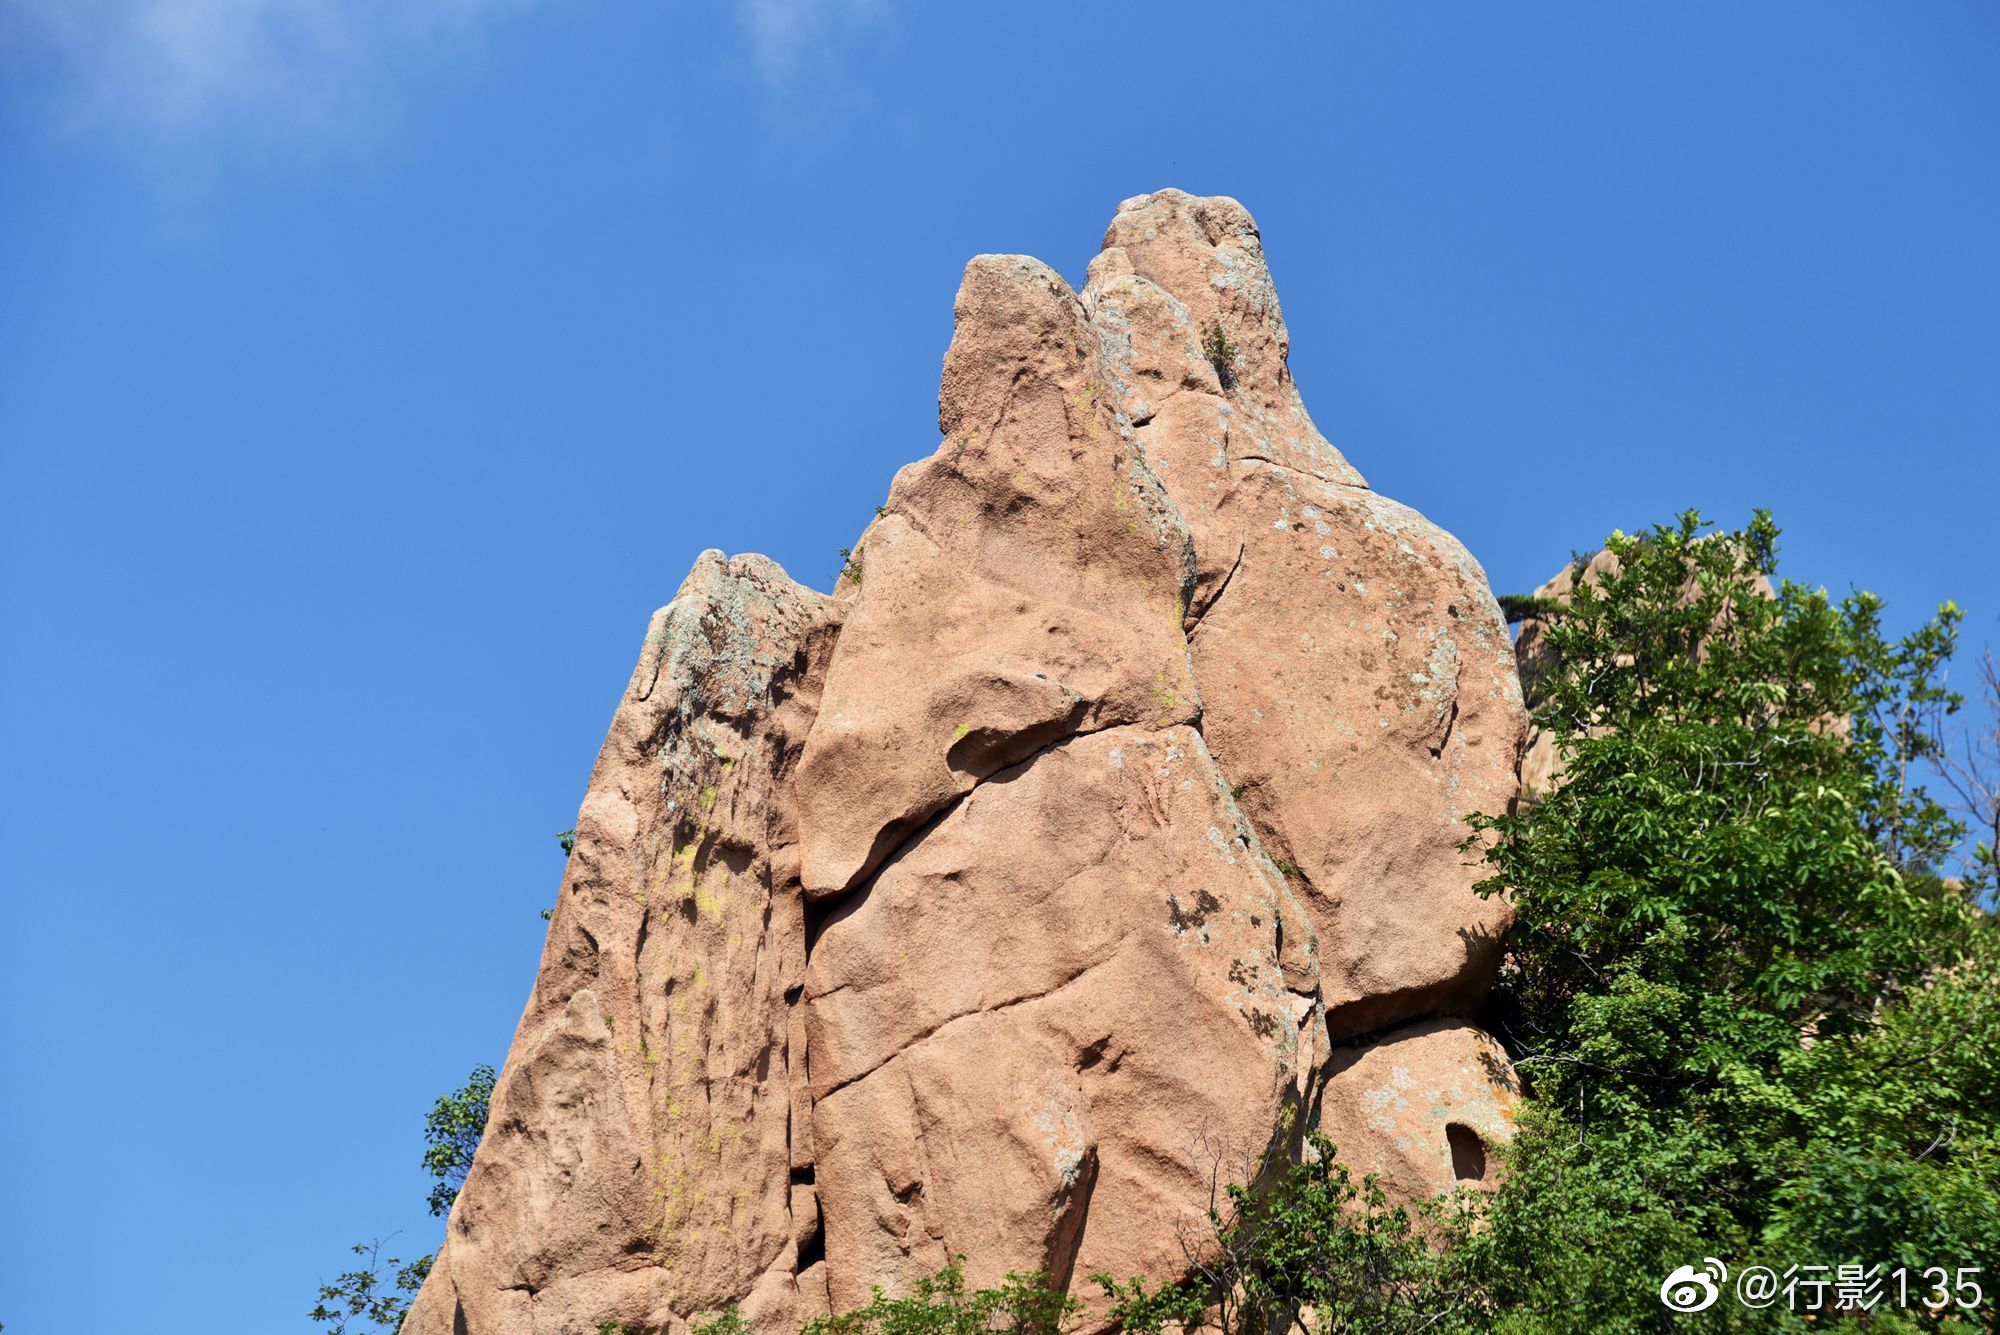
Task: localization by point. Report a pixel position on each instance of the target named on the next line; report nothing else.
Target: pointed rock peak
(1182, 296)
(1014, 317)
(1024, 583)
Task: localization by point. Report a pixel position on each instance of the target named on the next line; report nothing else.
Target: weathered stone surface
(1001, 902)
(1024, 583)
(635, 1162)
(1357, 677)
(1047, 1010)
(1421, 1107)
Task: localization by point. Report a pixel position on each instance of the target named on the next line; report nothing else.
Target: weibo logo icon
(1691, 1290)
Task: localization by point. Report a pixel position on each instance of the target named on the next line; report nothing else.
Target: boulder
(1421, 1108)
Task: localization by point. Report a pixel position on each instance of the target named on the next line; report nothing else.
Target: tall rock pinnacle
(1099, 834)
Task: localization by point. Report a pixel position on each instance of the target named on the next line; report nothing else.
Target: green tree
(1754, 1019)
(452, 1132)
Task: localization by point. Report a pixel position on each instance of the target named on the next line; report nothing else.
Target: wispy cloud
(282, 70)
(785, 34)
(174, 66)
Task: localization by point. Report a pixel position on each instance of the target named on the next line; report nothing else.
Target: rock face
(1357, 677)
(1427, 1100)
(1080, 847)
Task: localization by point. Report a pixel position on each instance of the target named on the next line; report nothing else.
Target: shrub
(1221, 351)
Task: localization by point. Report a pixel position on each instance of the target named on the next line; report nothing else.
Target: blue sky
(369, 371)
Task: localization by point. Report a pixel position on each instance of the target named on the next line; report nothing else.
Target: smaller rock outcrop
(636, 1160)
(1423, 1106)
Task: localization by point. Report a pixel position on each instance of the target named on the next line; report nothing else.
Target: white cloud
(176, 66)
(282, 70)
(786, 33)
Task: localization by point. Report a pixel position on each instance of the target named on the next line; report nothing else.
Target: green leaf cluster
(374, 1296)
(452, 1131)
(1755, 1020)
(940, 1304)
(1315, 1251)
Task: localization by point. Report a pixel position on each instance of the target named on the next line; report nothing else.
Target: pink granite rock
(1422, 1107)
(1044, 1011)
(1357, 677)
(636, 1161)
(1000, 901)
(1024, 583)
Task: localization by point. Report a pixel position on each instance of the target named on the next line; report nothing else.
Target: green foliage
(1754, 1020)
(452, 1131)
(850, 564)
(374, 1296)
(1515, 606)
(567, 839)
(942, 1305)
(728, 1322)
(1315, 1252)
(1220, 350)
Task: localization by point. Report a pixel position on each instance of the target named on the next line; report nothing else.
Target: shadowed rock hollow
(1098, 833)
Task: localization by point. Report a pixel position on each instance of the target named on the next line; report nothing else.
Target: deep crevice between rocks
(1450, 722)
(812, 1251)
(1196, 617)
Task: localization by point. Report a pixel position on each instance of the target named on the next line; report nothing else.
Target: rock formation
(1100, 832)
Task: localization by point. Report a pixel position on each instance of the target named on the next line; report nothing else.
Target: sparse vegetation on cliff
(1221, 351)
(374, 1296)
(452, 1130)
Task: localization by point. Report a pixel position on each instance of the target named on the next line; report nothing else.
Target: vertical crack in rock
(934, 917)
